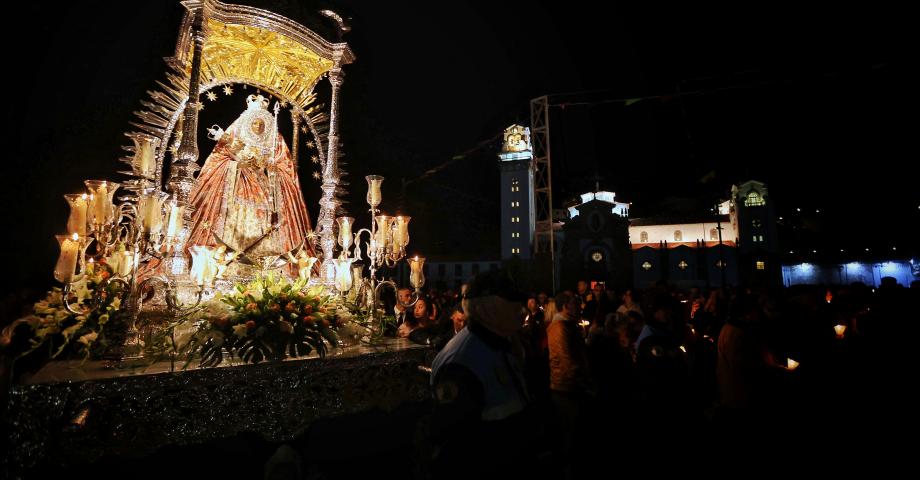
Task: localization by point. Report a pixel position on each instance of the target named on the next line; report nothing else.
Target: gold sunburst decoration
(270, 58)
(212, 96)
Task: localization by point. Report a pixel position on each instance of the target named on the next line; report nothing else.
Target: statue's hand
(215, 132)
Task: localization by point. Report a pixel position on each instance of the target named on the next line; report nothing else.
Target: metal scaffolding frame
(543, 183)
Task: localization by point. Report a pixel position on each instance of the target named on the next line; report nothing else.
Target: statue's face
(258, 126)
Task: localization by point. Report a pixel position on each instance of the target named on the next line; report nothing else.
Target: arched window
(678, 236)
(713, 234)
(643, 237)
(754, 200)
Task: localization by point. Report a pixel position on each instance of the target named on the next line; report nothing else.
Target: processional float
(170, 241)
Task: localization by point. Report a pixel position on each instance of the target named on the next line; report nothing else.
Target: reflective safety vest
(497, 371)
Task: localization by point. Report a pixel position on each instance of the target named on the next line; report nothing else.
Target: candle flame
(84, 196)
(791, 364)
(75, 236)
(839, 329)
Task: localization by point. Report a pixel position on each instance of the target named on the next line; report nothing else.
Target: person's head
(493, 301)
(258, 126)
(420, 311)
(745, 309)
(582, 287)
(542, 298)
(568, 305)
(598, 290)
(532, 304)
(404, 295)
(628, 297)
(457, 318)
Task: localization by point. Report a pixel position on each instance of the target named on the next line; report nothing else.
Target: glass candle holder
(150, 211)
(345, 238)
(382, 235)
(175, 213)
(401, 234)
(66, 265)
(76, 222)
(144, 163)
(416, 272)
(373, 190)
(343, 280)
(101, 209)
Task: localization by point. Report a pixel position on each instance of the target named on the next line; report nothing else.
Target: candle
(416, 273)
(150, 208)
(126, 265)
(402, 224)
(67, 261)
(204, 266)
(101, 209)
(839, 329)
(383, 230)
(345, 224)
(176, 211)
(76, 223)
(343, 278)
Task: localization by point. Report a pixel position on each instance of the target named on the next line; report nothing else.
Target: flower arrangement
(90, 332)
(269, 318)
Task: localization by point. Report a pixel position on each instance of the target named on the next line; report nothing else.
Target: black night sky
(812, 101)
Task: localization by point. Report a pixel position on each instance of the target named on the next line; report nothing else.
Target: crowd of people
(660, 371)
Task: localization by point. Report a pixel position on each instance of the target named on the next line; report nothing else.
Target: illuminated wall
(690, 232)
(847, 273)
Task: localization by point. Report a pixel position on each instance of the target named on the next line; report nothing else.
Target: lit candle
(383, 230)
(345, 224)
(401, 233)
(416, 274)
(176, 210)
(343, 280)
(150, 207)
(67, 261)
(76, 223)
(791, 364)
(204, 266)
(126, 266)
(101, 209)
(839, 329)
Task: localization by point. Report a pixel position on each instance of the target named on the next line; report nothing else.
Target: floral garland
(269, 318)
(90, 332)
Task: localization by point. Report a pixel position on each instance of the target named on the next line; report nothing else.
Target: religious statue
(248, 195)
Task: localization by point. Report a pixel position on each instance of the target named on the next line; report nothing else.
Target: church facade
(597, 241)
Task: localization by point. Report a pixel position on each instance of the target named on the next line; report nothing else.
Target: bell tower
(517, 193)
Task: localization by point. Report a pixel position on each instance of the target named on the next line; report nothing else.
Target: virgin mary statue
(248, 193)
